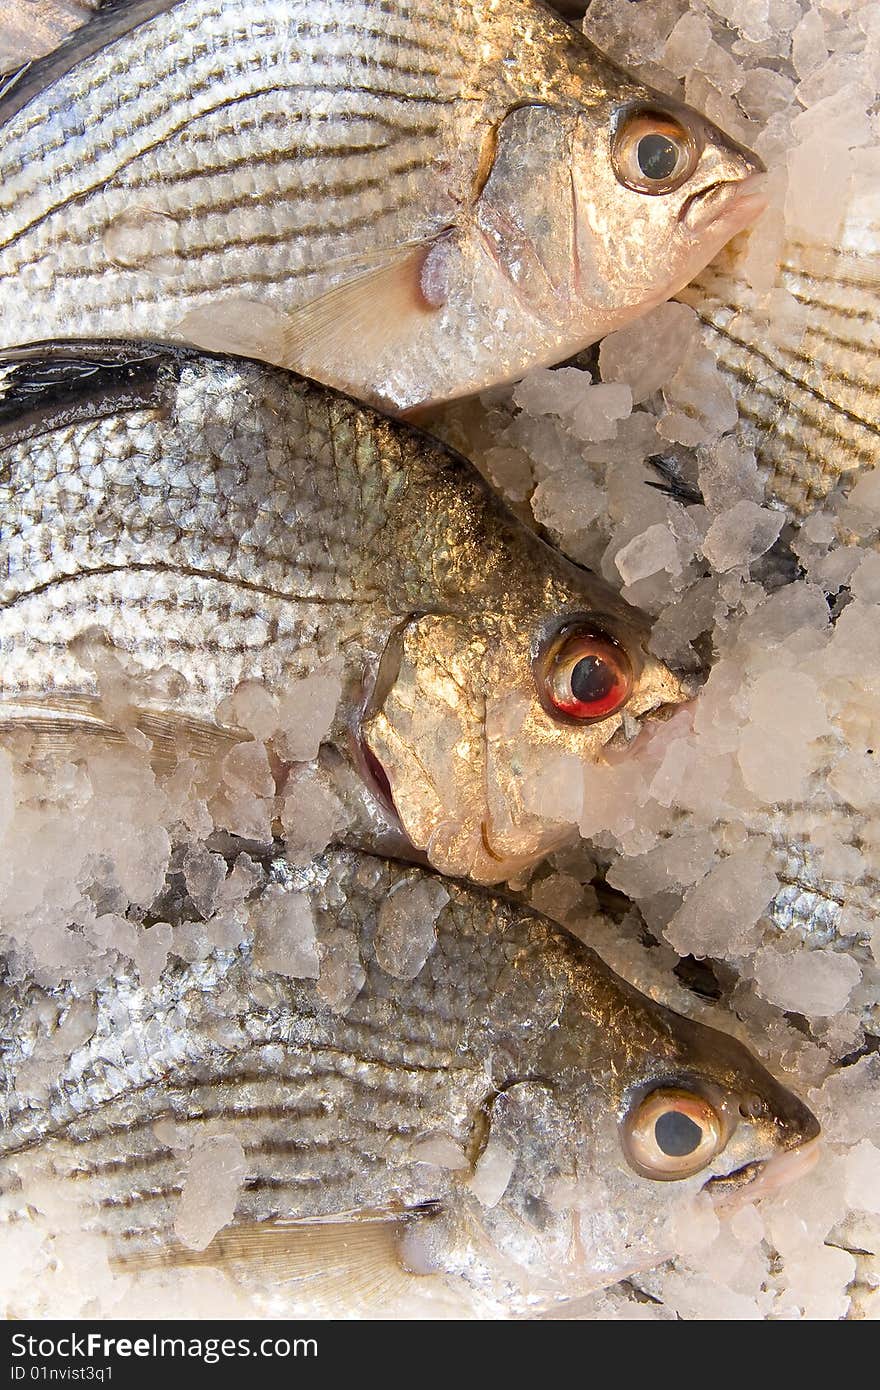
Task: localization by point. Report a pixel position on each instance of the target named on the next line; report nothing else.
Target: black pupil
(657, 156)
(676, 1134)
(592, 679)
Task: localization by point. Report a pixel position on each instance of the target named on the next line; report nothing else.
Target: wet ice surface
(745, 831)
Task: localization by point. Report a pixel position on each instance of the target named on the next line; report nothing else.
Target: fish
(498, 1114)
(409, 202)
(220, 524)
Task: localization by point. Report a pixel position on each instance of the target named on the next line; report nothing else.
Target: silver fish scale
(246, 156)
(807, 903)
(807, 391)
(839, 913)
(233, 514)
(326, 1104)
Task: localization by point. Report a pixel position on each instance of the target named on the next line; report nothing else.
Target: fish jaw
(727, 207)
(763, 1177)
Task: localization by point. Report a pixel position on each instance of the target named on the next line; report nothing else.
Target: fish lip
(738, 201)
(727, 1183)
(764, 1175)
(511, 862)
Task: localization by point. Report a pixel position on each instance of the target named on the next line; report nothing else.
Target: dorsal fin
(52, 384)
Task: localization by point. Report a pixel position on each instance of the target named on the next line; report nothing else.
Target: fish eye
(585, 676)
(653, 152)
(672, 1134)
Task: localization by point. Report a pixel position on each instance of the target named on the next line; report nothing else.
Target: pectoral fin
(368, 314)
(347, 1265)
(339, 336)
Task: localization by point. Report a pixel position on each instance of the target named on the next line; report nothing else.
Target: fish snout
(797, 1125)
(727, 205)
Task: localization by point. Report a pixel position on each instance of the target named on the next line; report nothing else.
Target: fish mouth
(763, 1176)
(728, 205)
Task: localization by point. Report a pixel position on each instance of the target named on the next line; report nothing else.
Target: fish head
(637, 1133)
(658, 190)
(594, 209)
(481, 722)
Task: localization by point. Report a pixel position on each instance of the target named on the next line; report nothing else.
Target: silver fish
(407, 201)
(220, 523)
(513, 1119)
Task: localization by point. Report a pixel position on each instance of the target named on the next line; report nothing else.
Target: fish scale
(136, 126)
(807, 391)
(210, 546)
(199, 523)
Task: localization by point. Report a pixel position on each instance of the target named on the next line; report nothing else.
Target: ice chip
(741, 535)
(815, 983)
(720, 912)
(646, 354)
(405, 927)
(646, 554)
(305, 714)
(284, 934)
(866, 578)
(440, 1151)
(342, 974)
(728, 474)
(492, 1173)
(217, 1167)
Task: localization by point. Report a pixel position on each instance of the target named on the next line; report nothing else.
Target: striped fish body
(506, 1041)
(404, 200)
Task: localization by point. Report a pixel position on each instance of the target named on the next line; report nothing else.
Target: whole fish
(507, 1115)
(222, 523)
(407, 201)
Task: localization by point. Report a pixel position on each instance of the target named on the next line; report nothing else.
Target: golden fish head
(481, 725)
(594, 209)
(658, 190)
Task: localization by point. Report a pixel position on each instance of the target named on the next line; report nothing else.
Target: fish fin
(671, 482)
(238, 325)
(348, 1260)
(56, 384)
(68, 726)
(371, 310)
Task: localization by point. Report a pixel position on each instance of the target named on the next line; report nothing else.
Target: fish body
(221, 523)
(807, 387)
(482, 1097)
(409, 202)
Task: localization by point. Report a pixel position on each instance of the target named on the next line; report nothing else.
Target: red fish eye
(588, 676)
